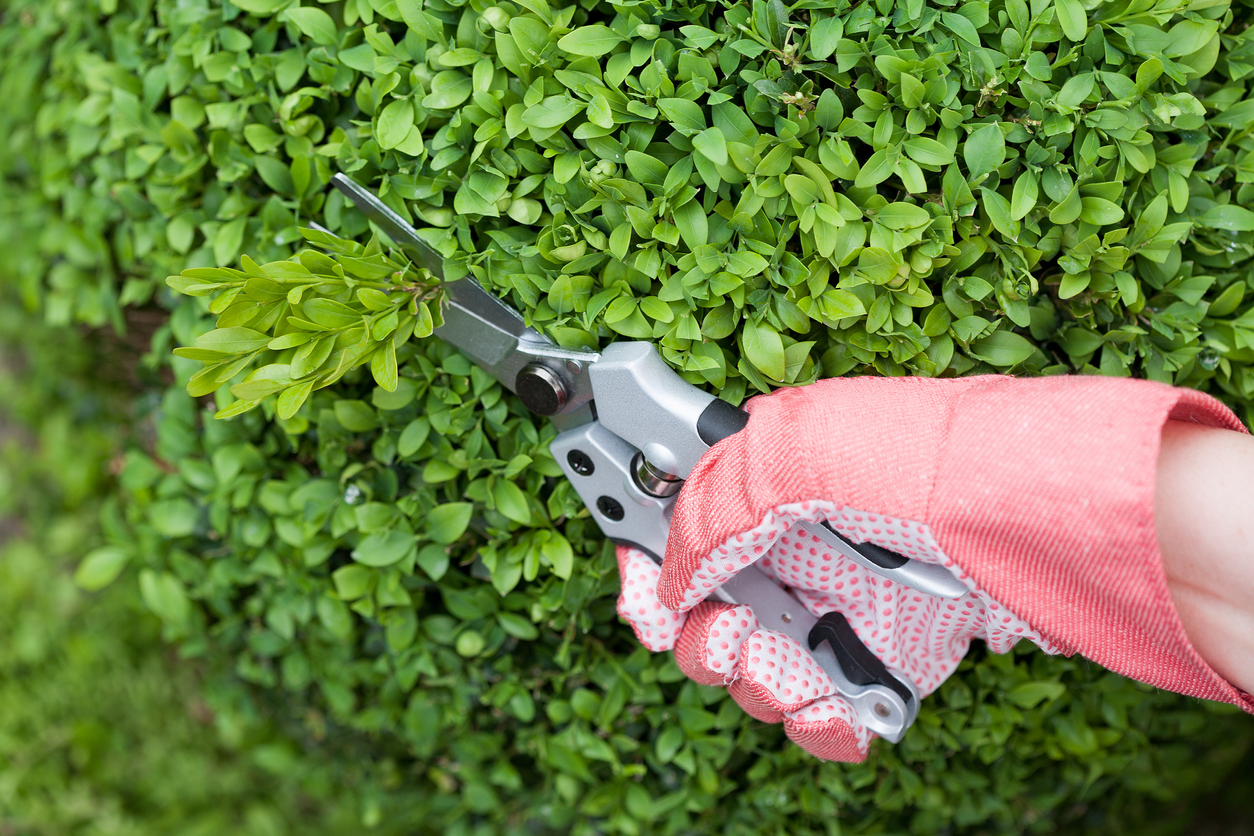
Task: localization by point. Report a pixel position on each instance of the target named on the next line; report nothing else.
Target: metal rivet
(882, 710)
(580, 462)
(611, 508)
(786, 618)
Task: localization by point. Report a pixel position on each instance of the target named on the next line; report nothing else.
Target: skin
(1204, 513)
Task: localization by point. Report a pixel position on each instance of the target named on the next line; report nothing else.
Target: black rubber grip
(860, 665)
(719, 420)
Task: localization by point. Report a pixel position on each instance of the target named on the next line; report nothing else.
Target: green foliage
(1079, 175)
(102, 730)
(325, 316)
(771, 194)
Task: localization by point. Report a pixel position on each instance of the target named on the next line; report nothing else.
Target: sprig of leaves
(308, 321)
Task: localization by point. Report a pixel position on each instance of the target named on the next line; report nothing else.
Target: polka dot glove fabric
(1037, 494)
(772, 676)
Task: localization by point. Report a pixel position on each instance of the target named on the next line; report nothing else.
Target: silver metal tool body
(631, 431)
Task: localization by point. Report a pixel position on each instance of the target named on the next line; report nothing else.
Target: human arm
(1204, 516)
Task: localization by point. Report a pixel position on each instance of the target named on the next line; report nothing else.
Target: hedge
(102, 729)
(772, 194)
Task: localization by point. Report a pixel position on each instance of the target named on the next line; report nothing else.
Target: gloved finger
(708, 650)
(828, 728)
(777, 676)
(655, 626)
(720, 641)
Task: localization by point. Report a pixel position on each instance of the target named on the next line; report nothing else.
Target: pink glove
(1038, 494)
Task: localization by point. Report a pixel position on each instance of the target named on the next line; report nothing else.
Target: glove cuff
(1044, 493)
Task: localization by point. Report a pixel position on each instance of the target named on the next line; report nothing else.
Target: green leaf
(961, 26)
(1228, 301)
(261, 7)
(233, 340)
(927, 151)
(903, 216)
(878, 168)
(1023, 199)
(1072, 19)
(712, 145)
(552, 112)
(433, 559)
(173, 517)
(315, 23)
(356, 416)
(101, 567)
(394, 123)
(746, 264)
(984, 150)
(383, 548)
(1098, 211)
(230, 238)
(593, 41)
(517, 626)
(331, 314)
(1189, 36)
(801, 188)
(1232, 218)
(764, 349)
(668, 743)
(383, 366)
(1031, 694)
(445, 523)
(292, 398)
(352, 581)
(692, 223)
(511, 501)
(912, 91)
(190, 286)
(1002, 349)
(685, 115)
(164, 594)
(448, 90)
(645, 169)
(824, 37)
(561, 557)
(310, 357)
(620, 241)
(413, 436)
(336, 617)
(424, 24)
(838, 303)
(599, 112)
(1069, 209)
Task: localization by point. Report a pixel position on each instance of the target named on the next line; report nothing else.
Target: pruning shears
(630, 432)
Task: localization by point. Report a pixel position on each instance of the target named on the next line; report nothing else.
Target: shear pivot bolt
(541, 389)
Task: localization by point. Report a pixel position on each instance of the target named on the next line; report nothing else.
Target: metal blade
(467, 293)
(401, 233)
(925, 577)
(477, 323)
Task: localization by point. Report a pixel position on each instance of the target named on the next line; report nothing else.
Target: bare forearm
(1204, 509)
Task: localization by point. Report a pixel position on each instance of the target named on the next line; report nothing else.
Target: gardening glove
(1038, 494)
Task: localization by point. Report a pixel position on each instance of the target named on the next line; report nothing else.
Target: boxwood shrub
(770, 193)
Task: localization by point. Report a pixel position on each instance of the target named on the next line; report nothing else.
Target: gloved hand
(1038, 494)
